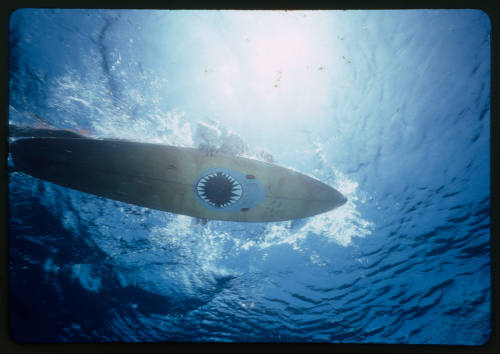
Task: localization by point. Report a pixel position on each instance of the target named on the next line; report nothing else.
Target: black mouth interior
(219, 189)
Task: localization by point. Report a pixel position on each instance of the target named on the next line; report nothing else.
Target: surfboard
(175, 179)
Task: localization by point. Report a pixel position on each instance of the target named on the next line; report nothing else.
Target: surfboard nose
(313, 195)
(335, 198)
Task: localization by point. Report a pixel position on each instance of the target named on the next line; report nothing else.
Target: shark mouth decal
(219, 189)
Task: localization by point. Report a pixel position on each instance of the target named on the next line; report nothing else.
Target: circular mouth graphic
(219, 189)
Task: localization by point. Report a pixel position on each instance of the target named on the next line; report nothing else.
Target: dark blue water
(392, 108)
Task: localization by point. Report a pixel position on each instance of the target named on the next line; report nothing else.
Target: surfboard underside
(162, 177)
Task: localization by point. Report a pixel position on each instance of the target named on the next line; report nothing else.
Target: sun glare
(282, 51)
(276, 64)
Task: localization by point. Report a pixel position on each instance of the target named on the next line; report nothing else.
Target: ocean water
(392, 108)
